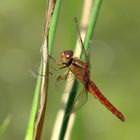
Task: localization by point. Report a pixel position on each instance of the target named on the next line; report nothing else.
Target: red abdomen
(92, 88)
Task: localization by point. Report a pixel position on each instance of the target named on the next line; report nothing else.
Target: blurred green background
(115, 60)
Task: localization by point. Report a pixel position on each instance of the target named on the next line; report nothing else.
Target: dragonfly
(81, 71)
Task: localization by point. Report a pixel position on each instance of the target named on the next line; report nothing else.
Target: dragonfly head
(66, 57)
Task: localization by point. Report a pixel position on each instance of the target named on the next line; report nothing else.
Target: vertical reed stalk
(37, 114)
(63, 124)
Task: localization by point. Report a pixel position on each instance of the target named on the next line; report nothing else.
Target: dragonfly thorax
(66, 57)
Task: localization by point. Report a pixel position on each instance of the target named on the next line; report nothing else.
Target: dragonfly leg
(55, 61)
(63, 77)
(59, 64)
(50, 73)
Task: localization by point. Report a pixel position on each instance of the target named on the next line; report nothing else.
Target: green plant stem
(88, 37)
(92, 23)
(31, 124)
(54, 24)
(69, 103)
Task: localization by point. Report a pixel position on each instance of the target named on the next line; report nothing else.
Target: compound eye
(67, 55)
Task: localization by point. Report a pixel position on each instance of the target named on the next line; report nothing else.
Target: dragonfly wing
(61, 82)
(80, 100)
(84, 52)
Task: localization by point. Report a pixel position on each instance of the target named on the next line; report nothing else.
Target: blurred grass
(114, 59)
(4, 125)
